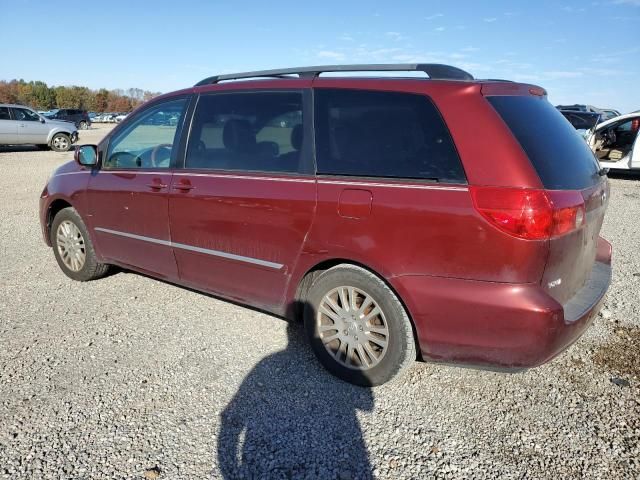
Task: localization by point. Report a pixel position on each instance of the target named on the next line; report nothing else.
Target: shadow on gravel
(624, 175)
(289, 419)
(19, 148)
(620, 355)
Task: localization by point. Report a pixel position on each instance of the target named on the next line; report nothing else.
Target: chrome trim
(160, 171)
(191, 248)
(394, 185)
(71, 173)
(245, 177)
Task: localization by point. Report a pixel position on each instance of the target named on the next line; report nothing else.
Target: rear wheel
(83, 125)
(73, 249)
(60, 142)
(357, 327)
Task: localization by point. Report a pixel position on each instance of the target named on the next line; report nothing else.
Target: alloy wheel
(71, 246)
(60, 142)
(352, 327)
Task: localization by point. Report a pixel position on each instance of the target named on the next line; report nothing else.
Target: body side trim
(182, 246)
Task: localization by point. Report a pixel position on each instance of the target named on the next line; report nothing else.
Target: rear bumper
(499, 325)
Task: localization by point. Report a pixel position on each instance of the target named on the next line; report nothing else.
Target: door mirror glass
(86, 155)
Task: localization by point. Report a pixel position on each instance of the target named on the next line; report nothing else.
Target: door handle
(156, 186)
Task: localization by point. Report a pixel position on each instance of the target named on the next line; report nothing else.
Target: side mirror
(86, 155)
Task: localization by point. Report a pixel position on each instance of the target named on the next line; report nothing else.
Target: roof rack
(435, 71)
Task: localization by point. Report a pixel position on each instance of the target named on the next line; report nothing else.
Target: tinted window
(383, 134)
(148, 141)
(25, 115)
(247, 131)
(4, 113)
(561, 157)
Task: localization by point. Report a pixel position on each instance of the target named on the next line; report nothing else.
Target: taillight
(529, 213)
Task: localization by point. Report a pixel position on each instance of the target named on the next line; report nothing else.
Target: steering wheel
(155, 151)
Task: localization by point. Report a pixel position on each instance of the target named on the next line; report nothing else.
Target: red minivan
(441, 218)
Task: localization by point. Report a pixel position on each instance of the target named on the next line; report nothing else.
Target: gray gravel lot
(128, 377)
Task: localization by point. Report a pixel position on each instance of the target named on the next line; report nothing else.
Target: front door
(241, 208)
(31, 129)
(635, 152)
(128, 195)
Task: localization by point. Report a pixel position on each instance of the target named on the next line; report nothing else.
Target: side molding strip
(191, 248)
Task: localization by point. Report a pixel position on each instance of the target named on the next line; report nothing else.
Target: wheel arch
(53, 209)
(294, 310)
(56, 131)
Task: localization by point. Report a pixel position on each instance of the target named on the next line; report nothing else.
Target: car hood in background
(61, 124)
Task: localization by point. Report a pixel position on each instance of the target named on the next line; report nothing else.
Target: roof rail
(435, 71)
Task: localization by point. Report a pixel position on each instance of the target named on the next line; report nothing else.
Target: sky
(580, 51)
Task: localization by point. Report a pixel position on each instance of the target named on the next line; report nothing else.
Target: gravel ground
(128, 377)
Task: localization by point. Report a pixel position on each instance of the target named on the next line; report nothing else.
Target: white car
(615, 142)
(121, 117)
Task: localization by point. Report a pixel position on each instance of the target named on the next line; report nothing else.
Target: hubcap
(71, 248)
(60, 142)
(352, 328)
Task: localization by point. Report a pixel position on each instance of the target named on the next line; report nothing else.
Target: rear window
(383, 134)
(561, 157)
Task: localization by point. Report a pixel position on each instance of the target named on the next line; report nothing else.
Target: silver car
(19, 125)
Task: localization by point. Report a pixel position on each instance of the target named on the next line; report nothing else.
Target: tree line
(39, 96)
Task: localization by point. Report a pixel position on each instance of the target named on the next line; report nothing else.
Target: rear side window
(251, 131)
(4, 113)
(383, 134)
(561, 157)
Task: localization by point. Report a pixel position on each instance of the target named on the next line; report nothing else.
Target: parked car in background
(79, 117)
(583, 122)
(615, 142)
(19, 125)
(605, 113)
(108, 117)
(400, 218)
(120, 117)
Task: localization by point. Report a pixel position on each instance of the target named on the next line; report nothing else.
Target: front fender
(67, 186)
(55, 130)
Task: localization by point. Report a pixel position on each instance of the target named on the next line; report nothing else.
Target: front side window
(25, 115)
(4, 113)
(383, 134)
(258, 131)
(149, 141)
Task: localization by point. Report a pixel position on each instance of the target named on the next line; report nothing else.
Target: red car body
(475, 294)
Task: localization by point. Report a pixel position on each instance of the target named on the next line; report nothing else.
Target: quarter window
(258, 131)
(149, 141)
(383, 134)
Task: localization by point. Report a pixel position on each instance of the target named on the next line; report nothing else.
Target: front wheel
(73, 249)
(60, 142)
(357, 326)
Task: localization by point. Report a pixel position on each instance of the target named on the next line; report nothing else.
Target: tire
(60, 142)
(376, 357)
(83, 125)
(67, 227)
